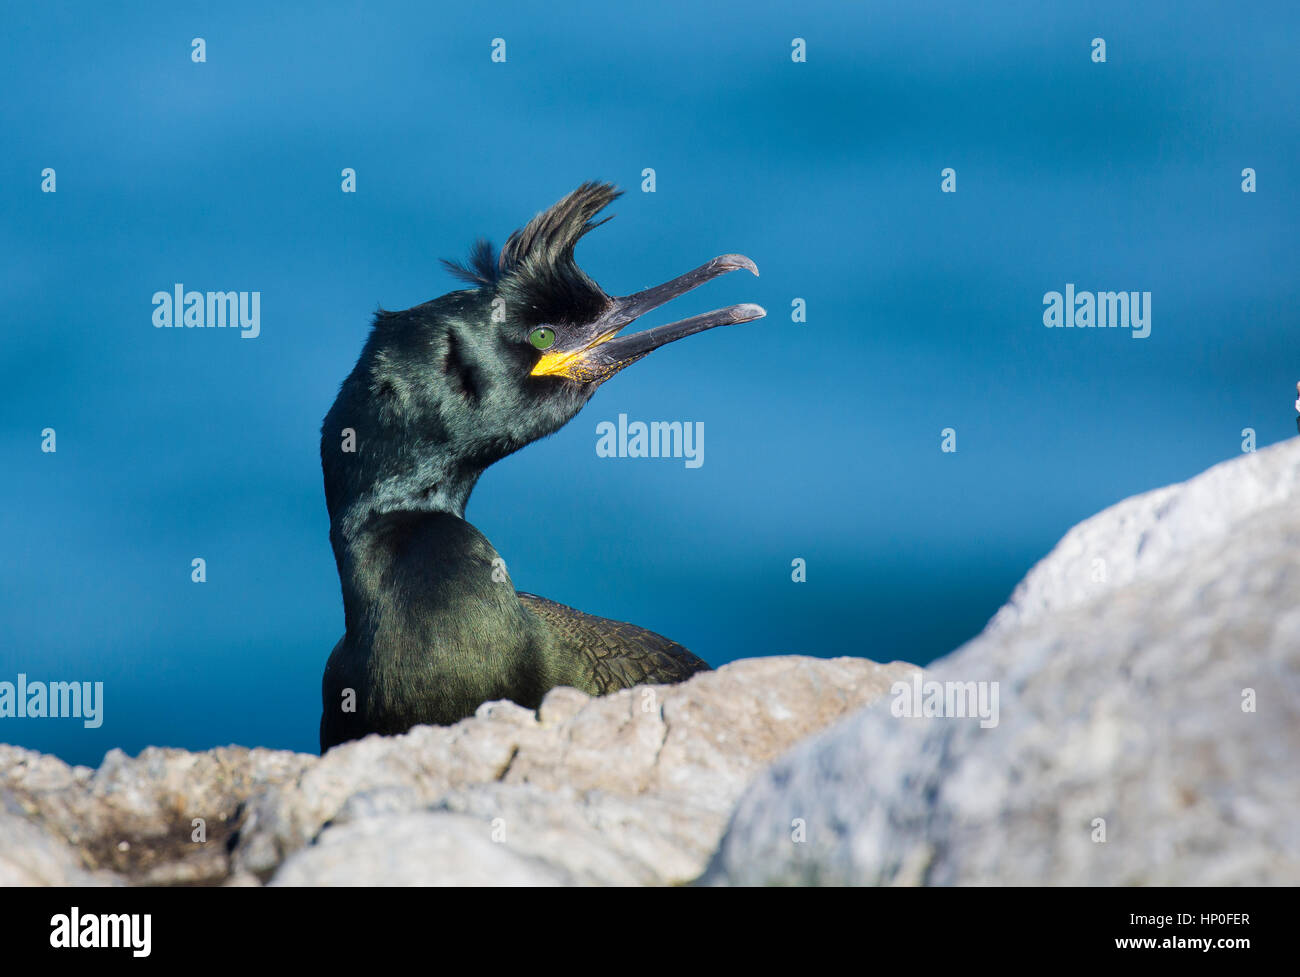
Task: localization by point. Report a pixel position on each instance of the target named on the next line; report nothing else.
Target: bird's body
(434, 631)
(434, 626)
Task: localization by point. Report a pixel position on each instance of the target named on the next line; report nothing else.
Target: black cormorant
(434, 627)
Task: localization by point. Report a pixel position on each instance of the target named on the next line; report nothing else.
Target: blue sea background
(822, 439)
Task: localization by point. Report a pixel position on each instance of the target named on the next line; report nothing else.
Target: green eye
(542, 337)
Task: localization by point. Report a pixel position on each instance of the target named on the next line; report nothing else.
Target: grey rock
(33, 856)
(631, 788)
(423, 848)
(135, 817)
(1123, 661)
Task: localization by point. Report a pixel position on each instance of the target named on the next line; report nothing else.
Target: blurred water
(924, 312)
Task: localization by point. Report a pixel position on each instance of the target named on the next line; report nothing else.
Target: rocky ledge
(1132, 716)
(631, 788)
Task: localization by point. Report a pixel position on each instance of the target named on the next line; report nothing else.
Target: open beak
(605, 355)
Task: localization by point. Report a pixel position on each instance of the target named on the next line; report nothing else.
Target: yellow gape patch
(558, 364)
(571, 363)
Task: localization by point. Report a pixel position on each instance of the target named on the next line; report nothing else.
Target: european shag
(434, 627)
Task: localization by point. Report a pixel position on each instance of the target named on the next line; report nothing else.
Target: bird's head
(444, 389)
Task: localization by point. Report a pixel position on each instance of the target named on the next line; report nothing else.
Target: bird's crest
(536, 270)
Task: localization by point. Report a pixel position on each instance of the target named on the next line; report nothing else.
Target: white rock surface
(631, 788)
(1121, 707)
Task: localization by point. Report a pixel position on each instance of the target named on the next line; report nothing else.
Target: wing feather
(614, 655)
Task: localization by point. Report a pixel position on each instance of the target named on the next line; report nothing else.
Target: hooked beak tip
(734, 262)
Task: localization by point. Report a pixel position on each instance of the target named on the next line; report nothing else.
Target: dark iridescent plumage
(434, 627)
(614, 655)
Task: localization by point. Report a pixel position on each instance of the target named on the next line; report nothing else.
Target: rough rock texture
(631, 788)
(1122, 662)
(1122, 685)
(131, 818)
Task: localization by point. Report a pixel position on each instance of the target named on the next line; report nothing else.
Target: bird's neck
(432, 617)
(404, 568)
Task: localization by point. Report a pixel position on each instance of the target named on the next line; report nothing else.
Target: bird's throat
(434, 626)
